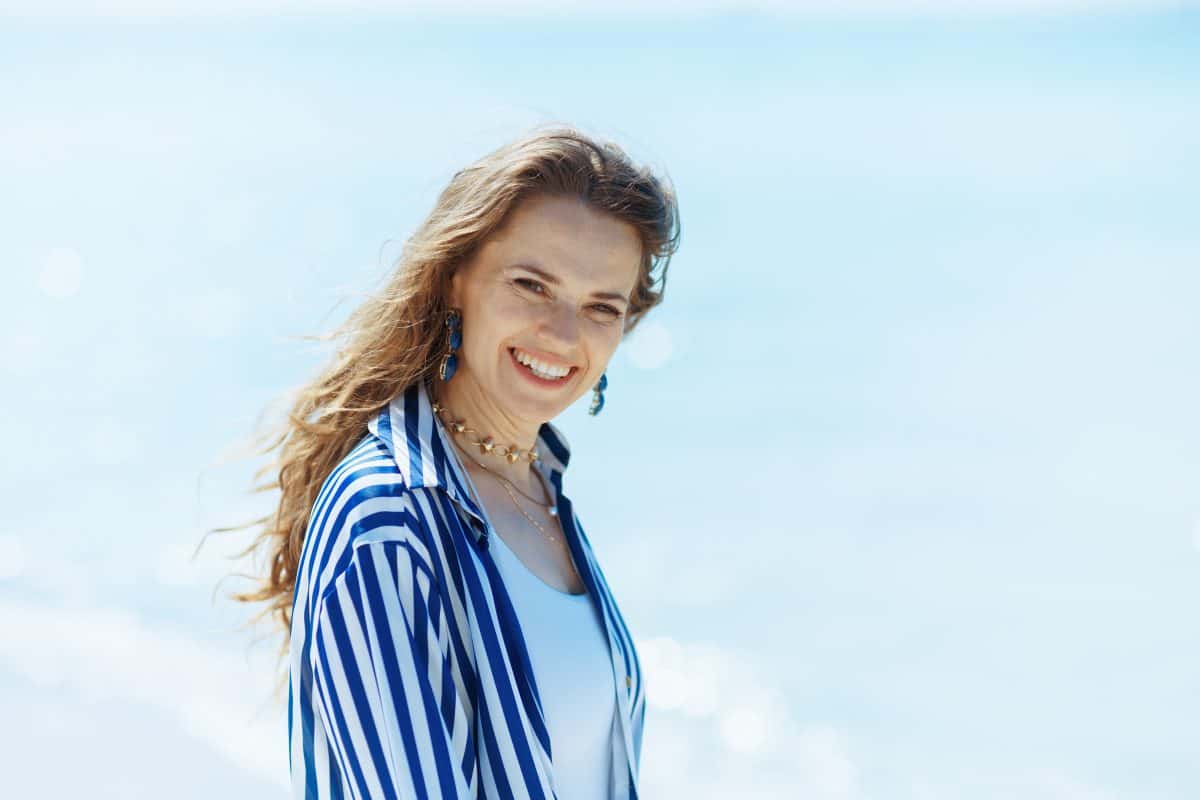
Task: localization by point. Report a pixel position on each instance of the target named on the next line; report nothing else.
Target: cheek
(601, 347)
(493, 321)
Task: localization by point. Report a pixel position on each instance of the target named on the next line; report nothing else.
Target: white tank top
(573, 670)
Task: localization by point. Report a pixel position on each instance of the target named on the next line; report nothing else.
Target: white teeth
(538, 368)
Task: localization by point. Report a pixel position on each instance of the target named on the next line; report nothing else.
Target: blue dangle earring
(449, 360)
(598, 396)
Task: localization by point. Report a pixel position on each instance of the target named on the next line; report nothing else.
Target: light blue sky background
(898, 490)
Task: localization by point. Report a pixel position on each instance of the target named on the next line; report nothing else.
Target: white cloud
(221, 698)
(99, 737)
(715, 726)
(744, 728)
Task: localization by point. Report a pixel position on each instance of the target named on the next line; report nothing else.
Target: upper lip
(545, 358)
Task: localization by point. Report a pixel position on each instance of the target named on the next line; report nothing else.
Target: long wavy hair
(397, 335)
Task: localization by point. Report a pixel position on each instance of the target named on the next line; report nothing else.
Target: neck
(463, 399)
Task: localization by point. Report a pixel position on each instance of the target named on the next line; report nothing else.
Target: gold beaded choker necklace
(485, 445)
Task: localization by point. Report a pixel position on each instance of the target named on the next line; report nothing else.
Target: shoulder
(363, 502)
(364, 482)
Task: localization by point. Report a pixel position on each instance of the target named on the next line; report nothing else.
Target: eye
(530, 284)
(607, 309)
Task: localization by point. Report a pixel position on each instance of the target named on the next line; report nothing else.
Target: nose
(559, 328)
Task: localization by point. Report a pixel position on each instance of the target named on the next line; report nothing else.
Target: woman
(451, 633)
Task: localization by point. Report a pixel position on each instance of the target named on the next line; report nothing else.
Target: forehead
(570, 239)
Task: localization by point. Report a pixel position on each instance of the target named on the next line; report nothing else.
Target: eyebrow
(554, 281)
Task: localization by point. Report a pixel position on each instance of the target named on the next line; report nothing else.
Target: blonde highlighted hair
(396, 336)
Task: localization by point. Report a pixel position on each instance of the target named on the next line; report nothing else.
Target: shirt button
(628, 682)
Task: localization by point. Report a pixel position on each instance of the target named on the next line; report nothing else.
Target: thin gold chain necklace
(547, 504)
(505, 482)
(536, 524)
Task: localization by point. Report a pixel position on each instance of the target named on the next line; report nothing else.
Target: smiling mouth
(542, 378)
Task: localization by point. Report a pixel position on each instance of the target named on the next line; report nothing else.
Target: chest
(543, 551)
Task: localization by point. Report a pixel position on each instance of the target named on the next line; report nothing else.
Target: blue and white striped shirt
(409, 675)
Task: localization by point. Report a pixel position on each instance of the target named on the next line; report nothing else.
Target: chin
(537, 411)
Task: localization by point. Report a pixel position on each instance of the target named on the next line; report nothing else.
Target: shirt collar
(421, 446)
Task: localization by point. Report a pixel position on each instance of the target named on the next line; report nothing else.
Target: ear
(455, 296)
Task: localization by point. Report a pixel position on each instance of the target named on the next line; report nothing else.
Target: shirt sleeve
(385, 683)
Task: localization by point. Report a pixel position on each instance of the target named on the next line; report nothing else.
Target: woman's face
(552, 285)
